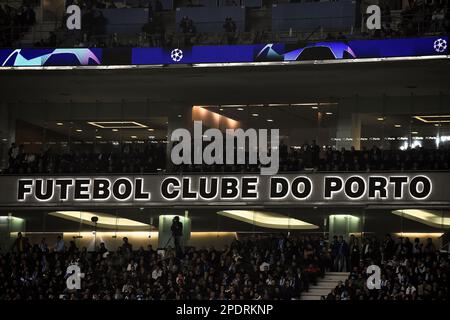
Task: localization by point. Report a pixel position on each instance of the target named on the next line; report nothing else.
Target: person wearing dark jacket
(177, 233)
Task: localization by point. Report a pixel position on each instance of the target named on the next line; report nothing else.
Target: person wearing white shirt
(59, 246)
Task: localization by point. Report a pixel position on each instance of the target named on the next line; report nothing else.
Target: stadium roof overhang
(208, 85)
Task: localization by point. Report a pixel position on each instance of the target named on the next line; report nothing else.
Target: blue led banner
(331, 50)
(34, 57)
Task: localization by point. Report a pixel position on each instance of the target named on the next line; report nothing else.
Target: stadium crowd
(274, 267)
(15, 21)
(409, 271)
(260, 267)
(151, 158)
(411, 18)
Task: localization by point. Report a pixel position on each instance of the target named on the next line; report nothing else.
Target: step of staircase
(324, 286)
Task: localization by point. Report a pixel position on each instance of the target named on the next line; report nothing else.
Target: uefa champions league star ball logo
(440, 45)
(176, 55)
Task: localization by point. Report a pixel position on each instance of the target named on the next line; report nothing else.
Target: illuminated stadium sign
(219, 190)
(269, 52)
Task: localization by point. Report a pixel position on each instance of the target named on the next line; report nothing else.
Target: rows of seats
(310, 15)
(166, 4)
(227, 3)
(159, 22)
(211, 19)
(211, 15)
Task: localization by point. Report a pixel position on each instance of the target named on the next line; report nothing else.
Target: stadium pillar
(343, 225)
(7, 132)
(348, 131)
(9, 228)
(179, 117)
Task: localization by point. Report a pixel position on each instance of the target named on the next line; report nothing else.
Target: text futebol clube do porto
(242, 147)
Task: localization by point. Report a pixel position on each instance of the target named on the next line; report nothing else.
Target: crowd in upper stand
(416, 18)
(15, 21)
(151, 158)
(261, 267)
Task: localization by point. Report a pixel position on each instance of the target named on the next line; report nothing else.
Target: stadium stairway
(324, 286)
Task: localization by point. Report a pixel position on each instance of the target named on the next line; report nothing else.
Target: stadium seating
(166, 4)
(125, 21)
(211, 19)
(311, 15)
(231, 3)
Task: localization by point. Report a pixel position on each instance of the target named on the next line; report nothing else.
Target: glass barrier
(165, 31)
(345, 134)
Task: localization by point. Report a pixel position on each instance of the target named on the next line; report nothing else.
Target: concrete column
(9, 227)
(348, 131)
(343, 225)
(7, 132)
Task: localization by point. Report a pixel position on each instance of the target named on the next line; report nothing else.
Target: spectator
(102, 249)
(60, 245)
(230, 30)
(20, 243)
(43, 247)
(126, 246)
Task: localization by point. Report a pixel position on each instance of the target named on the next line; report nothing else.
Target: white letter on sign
(374, 280)
(374, 20)
(74, 280)
(74, 19)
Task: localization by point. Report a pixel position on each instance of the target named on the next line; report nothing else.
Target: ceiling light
(414, 132)
(269, 120)
(433, 119)
(151, 129)
(104, 220)
(231, 105)
(133, 137)
(329, 113)
(115, 130)
(380, 119)
(59, 123)
(79, 130)
(437, 124)
(267, 219)
(240, 109)
(117, 124)
(98, 137)
(433, 218)
(398, 125)
(255, 114)
(305, 104)
(315, 108)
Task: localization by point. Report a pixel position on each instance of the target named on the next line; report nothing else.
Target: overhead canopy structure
(267, 219)
(104, 220)
(432, 218)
